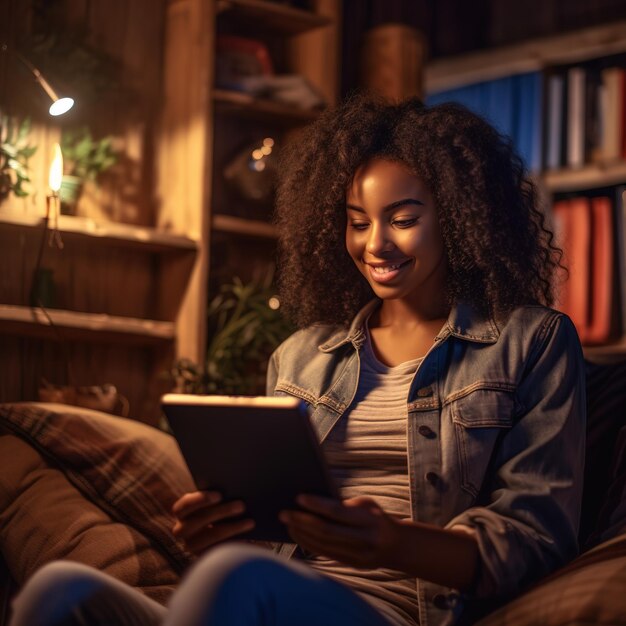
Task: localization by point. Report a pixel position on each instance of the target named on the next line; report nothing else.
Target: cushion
(589, 590)
(90, 487)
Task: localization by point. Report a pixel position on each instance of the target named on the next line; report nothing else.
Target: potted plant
(14, 155)
(245, 325)
(84, 158)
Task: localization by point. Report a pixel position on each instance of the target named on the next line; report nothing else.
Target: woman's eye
(358, 225)
(405, 223)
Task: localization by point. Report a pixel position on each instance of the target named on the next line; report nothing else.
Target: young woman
(449, 398)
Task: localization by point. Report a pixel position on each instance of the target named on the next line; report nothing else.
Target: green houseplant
(14, 155)
(84, 158)
(244, 326)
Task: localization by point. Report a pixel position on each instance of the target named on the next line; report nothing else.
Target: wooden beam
(183, 155)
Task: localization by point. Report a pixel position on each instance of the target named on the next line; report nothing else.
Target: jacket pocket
(480, 418)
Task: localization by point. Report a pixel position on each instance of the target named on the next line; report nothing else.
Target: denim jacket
(496, 427)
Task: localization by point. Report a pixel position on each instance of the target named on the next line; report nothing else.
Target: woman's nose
(378, 240)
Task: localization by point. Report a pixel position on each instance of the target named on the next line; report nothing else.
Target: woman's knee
(231, 561)
(57, 576)
(53, 589)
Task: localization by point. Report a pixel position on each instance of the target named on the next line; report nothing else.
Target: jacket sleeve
(529, 525)
(272, 373)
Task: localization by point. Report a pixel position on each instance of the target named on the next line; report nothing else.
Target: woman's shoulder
(303, 359)
(310, 338)
(537, 321)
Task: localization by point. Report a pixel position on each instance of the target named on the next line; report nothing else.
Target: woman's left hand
(356, 532)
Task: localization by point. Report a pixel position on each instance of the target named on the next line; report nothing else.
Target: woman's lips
(386, 273)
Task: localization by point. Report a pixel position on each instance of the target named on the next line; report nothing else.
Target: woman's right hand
(202, 520)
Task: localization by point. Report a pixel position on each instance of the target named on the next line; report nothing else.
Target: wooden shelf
(111, 233)
(241, 226)
(588, 177)
(83, 326)
(529, 56)
(264, 15)
(608, 353)
(246, 106)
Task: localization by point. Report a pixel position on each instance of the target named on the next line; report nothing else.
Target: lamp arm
(38, 76)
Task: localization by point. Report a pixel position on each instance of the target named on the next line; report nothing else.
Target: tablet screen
(261, 450)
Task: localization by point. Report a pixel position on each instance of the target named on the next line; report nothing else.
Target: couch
(96, 488)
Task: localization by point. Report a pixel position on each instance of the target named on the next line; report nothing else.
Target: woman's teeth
(385, 269)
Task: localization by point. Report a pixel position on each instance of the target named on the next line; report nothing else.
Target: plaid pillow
(131, 471)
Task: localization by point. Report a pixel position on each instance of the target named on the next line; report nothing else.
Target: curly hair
(500, 254)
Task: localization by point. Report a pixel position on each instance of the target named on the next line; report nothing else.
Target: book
(554, 108)
(620, 232)
(611, 109)
(572, 224)
(602, 264)
(576, 117)
(622, 113)
(593, 132)
(528, 118)
(512, 104)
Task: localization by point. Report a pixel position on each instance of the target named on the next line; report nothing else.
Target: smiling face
(393, 233)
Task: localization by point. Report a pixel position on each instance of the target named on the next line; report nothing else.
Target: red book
(572, 222)
(599, 329)
(623, 113)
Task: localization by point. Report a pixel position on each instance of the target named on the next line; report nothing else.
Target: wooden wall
(91, 276)
(130, 33)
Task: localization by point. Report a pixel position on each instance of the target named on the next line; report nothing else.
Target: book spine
(602, 264)
(572, 221)
(620, 231)
(554, 121)
(611, 109)
(576, 117)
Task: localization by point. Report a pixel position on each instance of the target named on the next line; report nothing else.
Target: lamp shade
(60, 106)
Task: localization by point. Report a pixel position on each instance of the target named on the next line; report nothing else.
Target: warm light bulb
(56, 169)
(60, 106)
(274, 303)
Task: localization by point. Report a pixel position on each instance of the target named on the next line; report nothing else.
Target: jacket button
(425, 431)
(432, 478)
(425, 392)
(440, 601)
(453, 599)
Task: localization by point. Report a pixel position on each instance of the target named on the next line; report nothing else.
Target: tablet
(261, 450)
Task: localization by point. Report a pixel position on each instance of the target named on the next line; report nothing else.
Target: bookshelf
(244, 106)
(529, 56)
(111, 315)
(278, 19)
(588, 177)
(242, 238)
(205, 124)
(93, 327)
(104, 233)
(597, 174)
(241, 226)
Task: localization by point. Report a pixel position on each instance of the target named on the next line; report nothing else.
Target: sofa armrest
(589, 590)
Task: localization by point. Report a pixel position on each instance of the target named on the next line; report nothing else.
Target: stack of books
(584, 116)
(591, 231)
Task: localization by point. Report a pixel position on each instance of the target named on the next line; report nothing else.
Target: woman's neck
(400, 313)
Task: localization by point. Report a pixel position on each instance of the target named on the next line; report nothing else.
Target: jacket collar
(464, 322)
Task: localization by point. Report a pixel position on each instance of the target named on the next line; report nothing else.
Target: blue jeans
(234, 584)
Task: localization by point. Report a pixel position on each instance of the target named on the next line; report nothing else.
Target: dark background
(457, 26)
